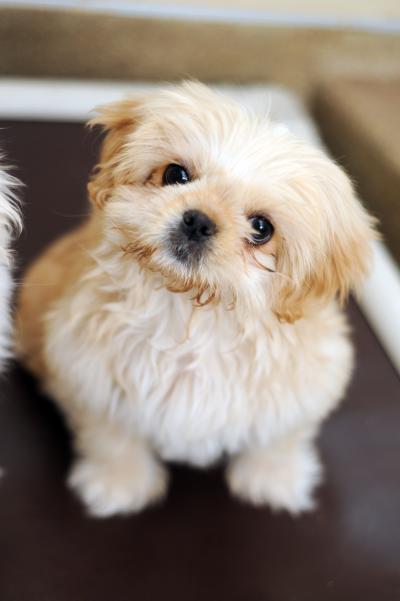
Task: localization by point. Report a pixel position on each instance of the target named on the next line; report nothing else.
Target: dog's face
(225, 204)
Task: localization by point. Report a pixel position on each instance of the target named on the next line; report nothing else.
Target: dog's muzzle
(189, 239)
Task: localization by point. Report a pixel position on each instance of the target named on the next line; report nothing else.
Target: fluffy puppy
(194, 313)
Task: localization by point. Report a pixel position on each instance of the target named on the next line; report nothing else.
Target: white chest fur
(194, 382)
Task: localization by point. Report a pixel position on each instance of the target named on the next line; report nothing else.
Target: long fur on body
(242, 352)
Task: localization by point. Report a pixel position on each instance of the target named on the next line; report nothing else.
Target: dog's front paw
(284, 482)
(112, 489)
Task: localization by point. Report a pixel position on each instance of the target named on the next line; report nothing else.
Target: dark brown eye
(175, 174)
(263, 229)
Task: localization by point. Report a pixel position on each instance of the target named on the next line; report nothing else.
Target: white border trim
(72, 101)
(380, 301)
(215, 15)
(59, 100)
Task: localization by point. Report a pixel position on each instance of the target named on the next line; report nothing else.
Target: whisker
(260, 265)
(284, 275)
(207, 301)
(71, 215)
(232, 304)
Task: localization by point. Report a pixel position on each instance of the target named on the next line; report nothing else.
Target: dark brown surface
(201, 545)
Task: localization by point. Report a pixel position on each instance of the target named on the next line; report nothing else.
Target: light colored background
(378, 12)
(355, 8)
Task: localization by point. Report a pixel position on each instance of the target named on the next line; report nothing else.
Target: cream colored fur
(243, 355)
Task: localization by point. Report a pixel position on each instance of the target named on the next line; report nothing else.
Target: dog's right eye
(175, 174)
(263, 229)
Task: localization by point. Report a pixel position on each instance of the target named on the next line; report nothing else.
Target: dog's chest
(198, 383)
(192, 381)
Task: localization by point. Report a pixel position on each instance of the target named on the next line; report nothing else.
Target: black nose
(197, 226)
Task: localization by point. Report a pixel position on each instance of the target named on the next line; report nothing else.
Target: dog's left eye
(263, 229)
(175, 174)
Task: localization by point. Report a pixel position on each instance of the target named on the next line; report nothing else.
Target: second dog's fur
(10, 222)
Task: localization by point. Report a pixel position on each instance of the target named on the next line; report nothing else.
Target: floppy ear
(117, 119)
(334, 256)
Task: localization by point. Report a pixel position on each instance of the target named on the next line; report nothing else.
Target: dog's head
(226, 204)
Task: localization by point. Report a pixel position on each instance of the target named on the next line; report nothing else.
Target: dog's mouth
(188, 256)
(188, 252)
(190, 239)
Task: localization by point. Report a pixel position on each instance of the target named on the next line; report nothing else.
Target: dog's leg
(282, 475)
(115, 473)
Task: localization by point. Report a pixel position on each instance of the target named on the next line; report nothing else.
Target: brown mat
(201, 545)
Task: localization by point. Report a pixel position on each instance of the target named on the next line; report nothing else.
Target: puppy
(194, 313)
